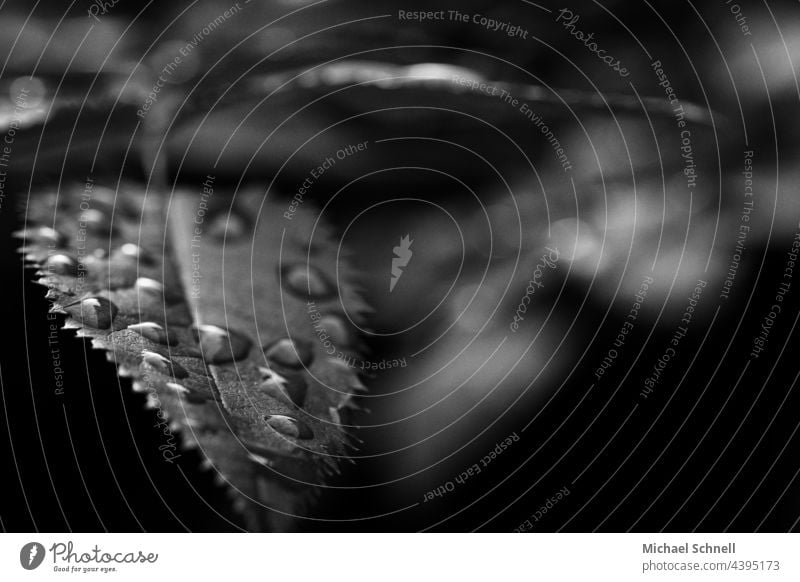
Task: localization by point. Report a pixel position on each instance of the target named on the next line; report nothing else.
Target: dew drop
(96, 312)
(104, 195)
(288, 426)
(339, 331)
(97, 221)
(61, 264)
(191, 396)
(154, 332)
(196, 397)
(306, 281)
(121, 274)
(158, 289)
(149, 285)
(131, 250)
(260, 459)
(164, 365)
(45, 234)
(289, 353)
(179, 388)
(136, 253)
(220, 346)
(290, 390)
(227, 226)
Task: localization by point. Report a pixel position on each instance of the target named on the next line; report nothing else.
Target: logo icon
(31, 555)
(403, 254)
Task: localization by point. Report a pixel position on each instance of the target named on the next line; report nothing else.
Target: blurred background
(574, 202)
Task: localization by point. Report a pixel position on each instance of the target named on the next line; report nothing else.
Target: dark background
(88, 460)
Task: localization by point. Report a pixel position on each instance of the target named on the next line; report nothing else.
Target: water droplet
(131, 250)
(45, 234)
(96, 221)
(96, 312)
(290, 390)
(135, 253)
(306, 281)
(179, 388)
(158, 290)
(147, 284)
(227, 226)
(154, 332)
(120, 274)
(266, 450)
(219, 346)
(61, 265)
(259, 459)
(340, 333)
(292, 354)
(288, 426)
(191, 396)
(164, 365)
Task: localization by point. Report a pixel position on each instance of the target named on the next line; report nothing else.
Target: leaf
(200, 322)
(284, 122)
(460, 88)
(229, 309)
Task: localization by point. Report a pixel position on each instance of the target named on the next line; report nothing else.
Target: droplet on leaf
(260, 459)
(44, 234)
(154, 332)
(135, 253)
(158, 289)
(339, 330)
(220, 346)
(96, 221)
(191, 396)
(164, 365)
(289, 353)
(306, 281)
(230, 227)
(150, 285)
(97, 312)
(61, 264)
(288, 426)
(289, 390)
(179, 388)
